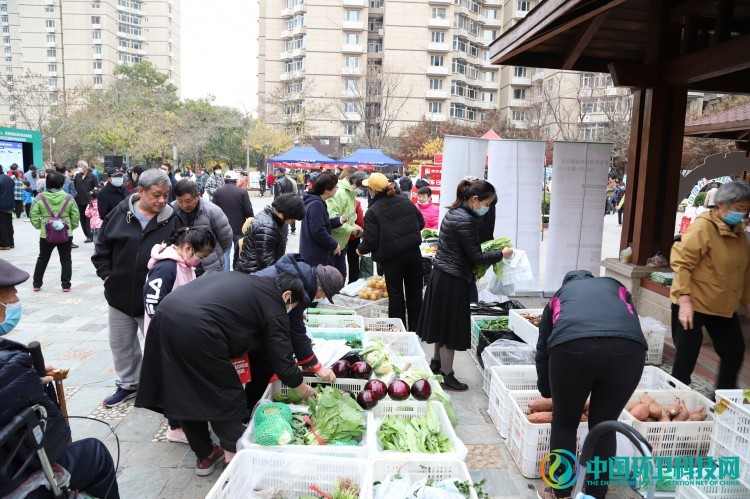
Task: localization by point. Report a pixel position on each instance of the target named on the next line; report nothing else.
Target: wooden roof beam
(722, 59)
(580, 42)
(724, 13)
(689, 8)
(625, 74)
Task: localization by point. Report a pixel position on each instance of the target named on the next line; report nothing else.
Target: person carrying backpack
(55, 214)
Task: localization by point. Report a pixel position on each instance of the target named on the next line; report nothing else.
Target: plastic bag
(365, 267)
(626, 255)
(354, 288)
(515, 353)
(657, 261)
(497, 287)
(651, 326)
(517, 268)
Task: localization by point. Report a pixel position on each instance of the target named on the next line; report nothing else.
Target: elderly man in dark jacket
(113, 193)
(235, 203)
(121, 260)
(193, 211)
(236, 314)
(319, 281)
(88, 461)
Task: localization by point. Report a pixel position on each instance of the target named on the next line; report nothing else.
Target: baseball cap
(231, 175)
(377, 182)
(281, 169)
(113, 172)
(331, 280)
(358, 177)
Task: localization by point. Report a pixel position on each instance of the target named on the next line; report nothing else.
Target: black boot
(451, 383)
(435, 366)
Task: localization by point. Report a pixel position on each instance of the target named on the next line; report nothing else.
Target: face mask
(117, 181)
(734, 217)
(482, 210)
(12, 317)
(193, 261)
(423, 203)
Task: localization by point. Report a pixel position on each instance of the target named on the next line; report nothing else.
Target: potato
(541, 405)
(640, 412)
(646, 399)
(540, 417)
(654, 409)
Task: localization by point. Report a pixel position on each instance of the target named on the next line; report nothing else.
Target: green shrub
(699, 199)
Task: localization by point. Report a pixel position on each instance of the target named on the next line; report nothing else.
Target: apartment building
(79, 43)
(346, 68)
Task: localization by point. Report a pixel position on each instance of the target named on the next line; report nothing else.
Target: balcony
(353, 26)
(489, 23)
(350, 117)
(499, 3)
(52, 73)
(435, 117)
(52, 59)
(98, 71)
(52, 89)
(98, 86)
(286, 13)
(520, 80)
(345, 139)
(611, 91)
(295, 75)
(96, 56)
(438, 47)
(459, 76)
(96, 26)
(437, 70)
(50, 29)
(486, 105)
(360, 4)
(299, 30)
(349, 94)
(95, 42)
(488, 84)
(441, 2)
(518, 124)
(351, 71)
(299, 8)
(53, 44)
(351, 49)
(519, 103)
(436, 94)
(458, 99)
(520, 14)
(439, 23)
(539, 75)
(287, 33)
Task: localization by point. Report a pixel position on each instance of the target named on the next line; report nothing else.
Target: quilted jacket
(263, 244)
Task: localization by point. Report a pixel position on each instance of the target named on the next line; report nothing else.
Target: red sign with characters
(435, 173)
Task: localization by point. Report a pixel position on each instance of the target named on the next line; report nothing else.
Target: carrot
(640, 412)
(684, 414)
(540, 417)
(541, 405)
(654, 409)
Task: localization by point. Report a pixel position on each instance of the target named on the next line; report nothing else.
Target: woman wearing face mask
(712, 279)
(342, 205)
(187, 371)
(445, 319)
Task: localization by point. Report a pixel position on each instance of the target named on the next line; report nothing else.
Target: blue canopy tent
(368, 159)
(302, 157)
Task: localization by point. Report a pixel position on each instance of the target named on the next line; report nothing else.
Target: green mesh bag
(272, 411)
(273, 431)
(346, 442)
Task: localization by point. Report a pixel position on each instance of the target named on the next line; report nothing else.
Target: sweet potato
(584, 418)
(646, 399)
(541, 405)
(664, 418)
(586, 406)
(654, 409)
(640, 412)
(684, 414)
(630, 405)
(698, 417)
(651, 420)
(699, 410)
(540, 417)
(674, 409)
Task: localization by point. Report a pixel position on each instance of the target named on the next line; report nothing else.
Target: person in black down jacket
(590, 345)
(316, 242)
(264, 242)
(392, 236)
(113, 192)
(121, 258)
(446, 317)
(235, 203)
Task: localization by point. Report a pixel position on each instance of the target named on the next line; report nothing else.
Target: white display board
(577, 209)
(462, 156)
(516, 169)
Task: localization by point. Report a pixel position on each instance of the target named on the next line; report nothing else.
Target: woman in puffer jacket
(264, 242)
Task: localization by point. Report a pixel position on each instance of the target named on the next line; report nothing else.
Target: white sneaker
(176, 435)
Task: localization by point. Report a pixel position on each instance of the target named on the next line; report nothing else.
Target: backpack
(56, 228)
(405, 184)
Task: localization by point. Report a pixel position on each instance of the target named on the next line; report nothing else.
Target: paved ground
(72, 328)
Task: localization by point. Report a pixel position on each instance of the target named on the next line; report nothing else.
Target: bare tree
(293, 106)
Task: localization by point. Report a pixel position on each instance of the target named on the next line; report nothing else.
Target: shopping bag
(517, 268)
(242, 366)
(496, 287)
(365, 267)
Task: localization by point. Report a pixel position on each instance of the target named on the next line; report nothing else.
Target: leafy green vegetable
(494, 324)
(445, 399)
(413, 374)
(345, 489)
(337, 418)
(421, 434)
(355, 343)
(493, 245)
(291, 397)
(329, 311)
(429, 234)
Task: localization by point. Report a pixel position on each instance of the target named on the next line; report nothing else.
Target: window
(296, 64)
(352, 39)
(352, 62)
(129, 30)
(376, 4)
(6, 30)
(488, 97)
(295, 88)
(350, 107)
(439, 13)
(489, 35)
(350, 84)
(96, 5)
(524, 5)
(97, 65)
(97, 80)
(435, 107)
(462, 45)
(125, 57)
(438, 37)
(374, 46)
(53, 82)
(519, 115)
(352, 15)
(50, 23)
(51, 53)
(436, 84)
(372, 110)
(4, 19)
(130, 44)
(488, 76)
(51, 39)
(51, 68)
(129, 18)
(9, 70)
(8, 51)
(459, 67)
(462, 22)
(96, 20)
(50, 9)
(53, 97)
(375, 24)
(350, 129)
(490, 13)
(96, 35)
(519, 71)
(97, 50)
(590, 131)
(519, 93)
(436, 60)
(485, 55)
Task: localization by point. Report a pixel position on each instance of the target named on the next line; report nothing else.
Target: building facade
(78, 44)
(351, 68)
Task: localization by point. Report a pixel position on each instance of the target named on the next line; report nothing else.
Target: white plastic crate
(410, 409)
(473, 351)
(384, 325)
(365, 308)
(328, 322)
(523, 328)
(476, 319)
(712, 492)
(346, 334)
(438, 468)
(257, 468)
(655, 348)
(522, 354)
(731, 430)
(654, 378)
(403, 344)
(679, 438)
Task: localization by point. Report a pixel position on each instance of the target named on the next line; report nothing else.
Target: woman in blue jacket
(316, 243)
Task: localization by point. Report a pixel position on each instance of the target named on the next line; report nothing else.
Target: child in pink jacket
(429, 211)
(92, 211)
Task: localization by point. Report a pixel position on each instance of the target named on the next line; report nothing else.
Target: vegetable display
(382, 326)
(375, 289)
(378, 355)
(329, 311)
(535, 319)
(494, 324)
(420, 434)
(345, 489)
(493, 245)
(337, 418)
(647, 409)
(540, 411)
(429, 234)
(399, 485)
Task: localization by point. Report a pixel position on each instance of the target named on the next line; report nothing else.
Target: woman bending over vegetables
(445, 319)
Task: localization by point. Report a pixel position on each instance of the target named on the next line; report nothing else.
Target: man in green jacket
(54, 202)
(342, 205)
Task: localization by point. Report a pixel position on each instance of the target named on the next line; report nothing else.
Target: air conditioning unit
(381, 32)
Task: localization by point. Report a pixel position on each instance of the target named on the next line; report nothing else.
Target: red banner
(435, 172)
